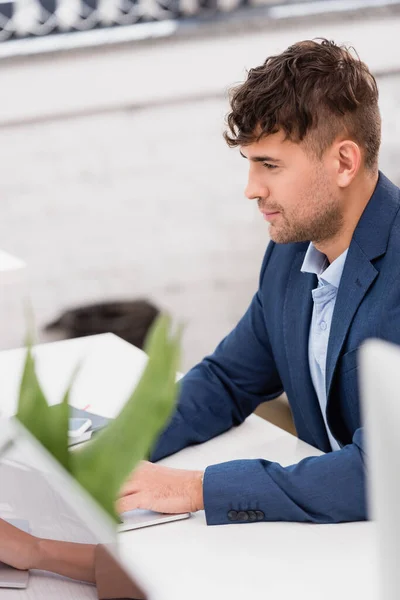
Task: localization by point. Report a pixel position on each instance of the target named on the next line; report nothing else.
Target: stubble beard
(323, 223)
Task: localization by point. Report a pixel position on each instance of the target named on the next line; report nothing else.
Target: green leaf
(48, 424)
(103, 465)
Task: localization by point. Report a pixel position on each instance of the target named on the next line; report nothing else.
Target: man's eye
(269, 166)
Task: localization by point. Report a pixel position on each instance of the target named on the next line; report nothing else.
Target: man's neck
(355, 204)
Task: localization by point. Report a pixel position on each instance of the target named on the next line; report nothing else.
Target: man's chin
(279, 237)
(284, 237)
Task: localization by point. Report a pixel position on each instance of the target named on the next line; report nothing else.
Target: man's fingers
(130, 487)
(128, 503)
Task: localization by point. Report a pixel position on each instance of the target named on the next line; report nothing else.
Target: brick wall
(142, 203)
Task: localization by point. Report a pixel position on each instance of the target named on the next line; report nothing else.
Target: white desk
(12, 295)
(10, 267)
(188, 560)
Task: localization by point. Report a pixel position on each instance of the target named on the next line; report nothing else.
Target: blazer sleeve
(322, 489)
(227, 386)
(112, 582)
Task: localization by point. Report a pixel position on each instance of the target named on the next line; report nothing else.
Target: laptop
(380, 394)
(35, 488)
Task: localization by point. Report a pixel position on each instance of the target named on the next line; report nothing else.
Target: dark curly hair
(314, 92)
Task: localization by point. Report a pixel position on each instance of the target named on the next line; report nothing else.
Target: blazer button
(260, 515)
(242, 516)
(252, 515)
(232, 515)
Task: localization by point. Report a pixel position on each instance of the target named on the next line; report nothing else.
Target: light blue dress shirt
(324, 297)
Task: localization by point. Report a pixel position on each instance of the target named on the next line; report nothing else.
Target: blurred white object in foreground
(380, 391)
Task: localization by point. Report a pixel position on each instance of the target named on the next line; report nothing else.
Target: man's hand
(162, 489)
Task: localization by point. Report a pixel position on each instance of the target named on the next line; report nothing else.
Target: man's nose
(255, 190)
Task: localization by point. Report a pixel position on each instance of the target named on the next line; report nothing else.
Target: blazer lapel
(369, 241)
(358, 275)
(297, 312)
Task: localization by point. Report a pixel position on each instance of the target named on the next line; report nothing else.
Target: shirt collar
(316, 262)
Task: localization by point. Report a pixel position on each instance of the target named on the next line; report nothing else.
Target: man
(308, 123)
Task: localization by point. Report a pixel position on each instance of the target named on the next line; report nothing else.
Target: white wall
(143, 202)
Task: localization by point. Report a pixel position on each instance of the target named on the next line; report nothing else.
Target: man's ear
(347, 156)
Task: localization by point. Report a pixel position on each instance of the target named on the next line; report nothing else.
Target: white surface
(12, 298)
(187, 559)
(9, 264)
(380, 381)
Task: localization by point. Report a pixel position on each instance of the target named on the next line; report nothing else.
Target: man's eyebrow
(261, 158)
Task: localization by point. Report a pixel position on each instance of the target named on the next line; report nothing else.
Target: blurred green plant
(102, 465)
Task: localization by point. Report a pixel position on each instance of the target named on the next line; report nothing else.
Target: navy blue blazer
(267, 352)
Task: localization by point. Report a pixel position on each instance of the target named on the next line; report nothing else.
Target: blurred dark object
(6, 16)
(32, 18)
(130, 320)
